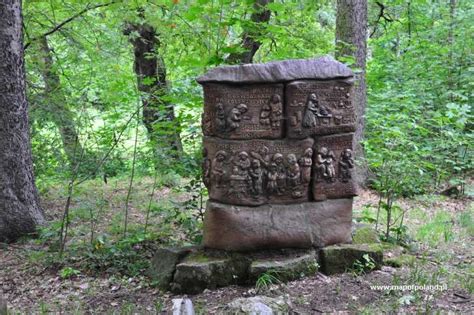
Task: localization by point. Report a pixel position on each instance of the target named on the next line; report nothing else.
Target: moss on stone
(399, 261)
(365, 235)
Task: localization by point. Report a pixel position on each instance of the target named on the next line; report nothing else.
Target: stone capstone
(303, 225)
(342, 258)
(322, 68)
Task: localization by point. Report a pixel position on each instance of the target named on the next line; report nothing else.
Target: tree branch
(60, 25)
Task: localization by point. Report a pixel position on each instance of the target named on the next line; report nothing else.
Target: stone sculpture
(277, 148)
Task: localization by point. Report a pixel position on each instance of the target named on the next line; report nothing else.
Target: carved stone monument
(278, 158)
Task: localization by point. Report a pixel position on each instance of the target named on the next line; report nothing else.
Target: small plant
(364, 265)
(267, 279)
(68, 272)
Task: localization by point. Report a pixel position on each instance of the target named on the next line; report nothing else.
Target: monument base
(304, 225)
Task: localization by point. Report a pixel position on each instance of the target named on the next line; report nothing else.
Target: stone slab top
(323, 68)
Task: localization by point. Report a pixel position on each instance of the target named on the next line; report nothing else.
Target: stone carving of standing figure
(294, 176)
(345, 164)
(272, 175)
(240, 178)
(305, 164)
(256, 174)
(218, 169)
(281, 172)
(206, 168)
(325, 164)
(313, 110)
(235, 116)
(271, 113)
(220, 117)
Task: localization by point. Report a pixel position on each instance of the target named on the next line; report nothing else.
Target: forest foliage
(86, 106)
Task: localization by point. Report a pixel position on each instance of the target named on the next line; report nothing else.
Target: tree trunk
(158, 113)
(250, 43)
(351, 41)
(20, 212)
(57, 109)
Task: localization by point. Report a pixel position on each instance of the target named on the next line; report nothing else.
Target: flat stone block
(243, 111)
(322, 68)
(341, 258)
(256, 172)
(287, 268)
(333, 167)
(304, 225)
(201, 271)
(316, 108)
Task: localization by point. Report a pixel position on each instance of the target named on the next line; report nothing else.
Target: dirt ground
(441, 230)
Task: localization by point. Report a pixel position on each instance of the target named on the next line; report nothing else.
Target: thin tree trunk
(20, 212)
(57, 109)
(158, 113)
(451, 80)
(351, 40)
(250, 42)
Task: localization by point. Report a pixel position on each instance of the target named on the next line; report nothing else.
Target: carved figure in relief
(240, 180)
(281, 172)
(256, 174)
(272, 176)
(206, 168)
(313, 111)
(346, 163)
(294, 176)
(262, 155)
(220, 117)
(271, 113)
(305, 164)
(218, 168)
(206, 124)
(235, 116)
(325, 164)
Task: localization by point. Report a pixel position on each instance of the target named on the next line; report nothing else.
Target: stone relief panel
(255, 172)
(333, 166)
(243, 111)
(319, 108)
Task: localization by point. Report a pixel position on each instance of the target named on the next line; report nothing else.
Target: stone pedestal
(278, 157)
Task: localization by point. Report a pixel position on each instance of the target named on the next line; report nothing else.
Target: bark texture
(158, 114)
(351, 40)
(20, 212)
(57, 108)
(250, 42)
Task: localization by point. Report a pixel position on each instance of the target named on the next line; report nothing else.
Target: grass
(439, 233)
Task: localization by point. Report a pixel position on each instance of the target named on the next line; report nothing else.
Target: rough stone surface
(182, 307)
(3, 307)
(201, 271)
(333, 167)
(322, 68)
(261, 305)
(364, 234)
(163, 264)
(341, 258)
(304, 225)
(287, 268)
(256, 172)
(243, 111)
(316, 108)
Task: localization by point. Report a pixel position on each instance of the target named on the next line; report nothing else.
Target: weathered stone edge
(322, 68)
